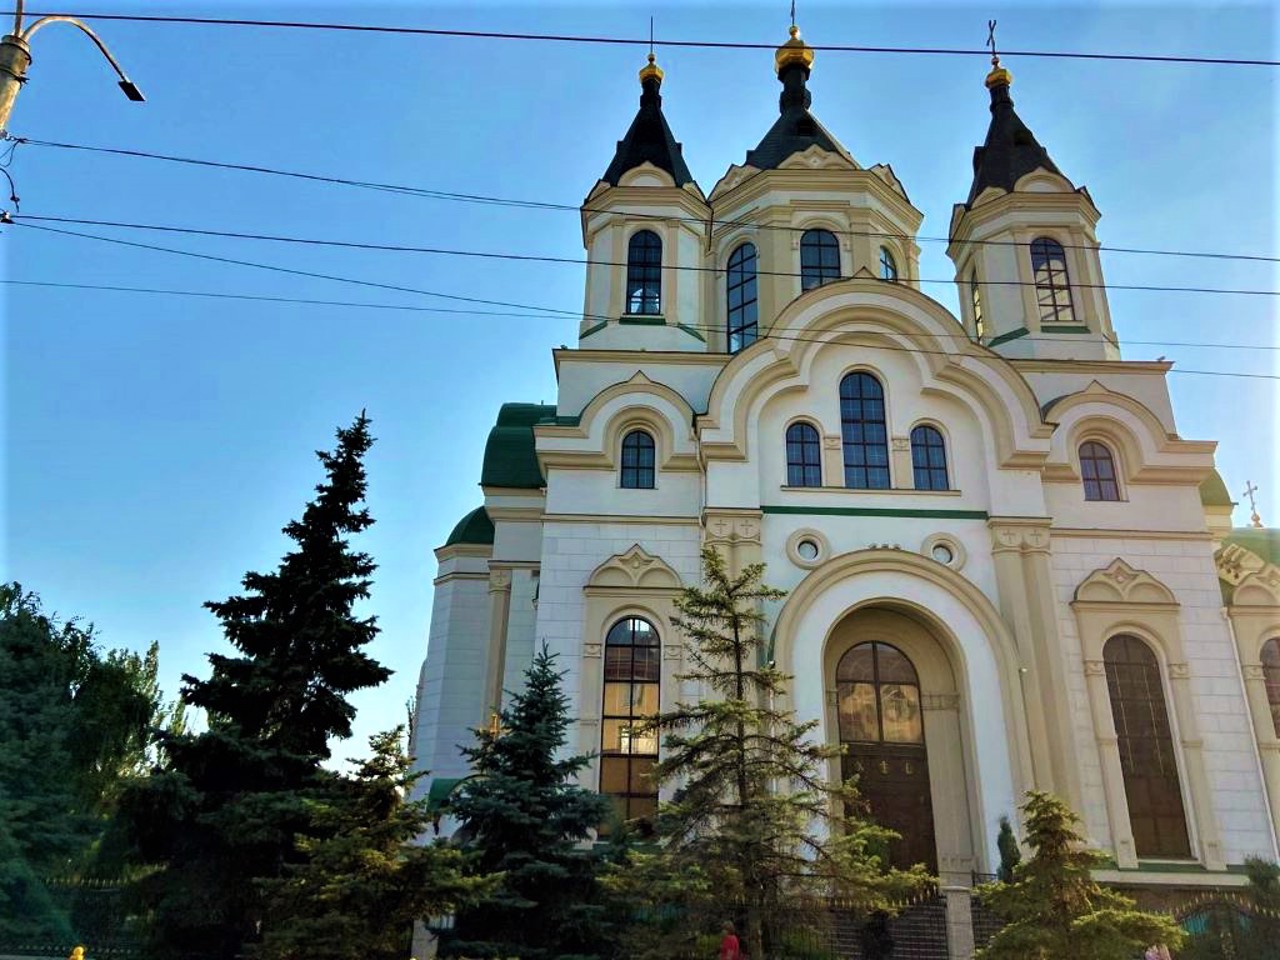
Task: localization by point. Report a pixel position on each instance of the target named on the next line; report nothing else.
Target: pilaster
(499, 610)
(735, 533)
(1095, 678)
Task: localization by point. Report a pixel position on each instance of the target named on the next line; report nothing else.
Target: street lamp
(15, 58)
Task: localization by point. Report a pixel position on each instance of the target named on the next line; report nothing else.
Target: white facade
(1003, 588)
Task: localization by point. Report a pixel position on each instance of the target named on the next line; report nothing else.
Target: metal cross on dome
(1249, 490)
(991, 42)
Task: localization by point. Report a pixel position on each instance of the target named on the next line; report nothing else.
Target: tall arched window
(804, 456)
(1098, 471)
(741, 297)
(882, 726)
(644, 274)
(632, 681)
(1053, 286)
(637, 461)
(819, 258)
(1145, 739)
(975, 298)
(1270, 657)
(929, 459)
(865, 434)
(888, 265)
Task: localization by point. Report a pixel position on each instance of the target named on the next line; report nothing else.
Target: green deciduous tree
(365, 881)
(754, 812)
(75, 722)
(223, 814)
(525, 817)
(1245, 927)
(1054, 908)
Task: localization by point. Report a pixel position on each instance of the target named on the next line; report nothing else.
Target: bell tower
(1024, 248)
(642, 226)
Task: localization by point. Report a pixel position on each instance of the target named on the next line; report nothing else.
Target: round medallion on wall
(807, 548)
(945, 549)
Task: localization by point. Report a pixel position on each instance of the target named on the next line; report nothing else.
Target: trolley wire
(548, 311)
(580, 261)
(652, 42)
(434, 194)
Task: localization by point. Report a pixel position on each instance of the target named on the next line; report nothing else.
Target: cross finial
(793, 12)
(991, 42)
(651, 38)
(1249, 491)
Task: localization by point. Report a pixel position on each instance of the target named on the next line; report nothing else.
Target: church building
(1006, 569)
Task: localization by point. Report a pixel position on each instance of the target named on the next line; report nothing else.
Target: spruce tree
(1010, 854)
(524, 816)
(365, 881)
(1054, 908)
(222, 815)
(753, 809)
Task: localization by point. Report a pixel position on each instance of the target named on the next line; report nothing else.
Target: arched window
(865, 435)
(1053, 287)
(628, 752)
(929, 459)
(804, 456)
(975, 298)
(644, 273)
(1270, 657)
(637, 461)
(1147, 761)
(819, 258)
(888, 265)
(741, 297)
(882, 728)
(1098, 470)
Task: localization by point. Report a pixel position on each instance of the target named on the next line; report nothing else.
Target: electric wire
(651, 42)
(433, 194)
(579, 261)
(223, 295)
(547, 310)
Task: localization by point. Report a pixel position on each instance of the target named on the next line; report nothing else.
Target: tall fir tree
(753, 809)
(525, 817)
(365, 881)
(222, 815)
(1054, 908)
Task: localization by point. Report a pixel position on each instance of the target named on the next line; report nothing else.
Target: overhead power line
(548, 311)
(577, 261)
(652, 42)
(434, 194)
(359, 304)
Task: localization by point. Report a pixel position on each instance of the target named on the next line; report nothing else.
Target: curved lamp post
(15, 58)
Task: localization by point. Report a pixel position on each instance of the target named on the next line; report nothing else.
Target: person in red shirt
(729, 948)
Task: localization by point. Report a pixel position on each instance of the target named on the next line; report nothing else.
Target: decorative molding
(1179, 671)
(1095, 668)
(940, 701)
(832, 441)
(901, 444)
(634, 570)
(732, 527)
(1254, 671)
(1026, 534)
(592, 649)
(499, 581)
(672, 651)
(1257, 591)
(1121, 583)
(875, 511)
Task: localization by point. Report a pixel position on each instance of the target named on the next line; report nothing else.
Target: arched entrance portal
(882, 730)
(896, 707)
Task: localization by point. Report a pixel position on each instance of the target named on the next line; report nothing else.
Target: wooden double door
(882, 731)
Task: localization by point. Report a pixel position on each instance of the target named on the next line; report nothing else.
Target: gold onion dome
(998, 75)
(651, 71)
(794, 51)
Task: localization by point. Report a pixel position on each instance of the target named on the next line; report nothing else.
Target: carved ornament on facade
(672, 651)
(635, 570)
(1121, 583)
(592, 649)
(1254, 671)
(1095, 668)
(1019, 536)
(901, 444)
(832, 441)
(499, 579)
(1179, 671)
(1235, 563)
(940, 701)
(733, 529)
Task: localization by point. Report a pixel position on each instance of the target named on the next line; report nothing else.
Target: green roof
(1263, 542)
(475, 527)
(510, 458)
(1213, 492)
(439, 792)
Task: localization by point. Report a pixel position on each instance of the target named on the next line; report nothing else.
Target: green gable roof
(1213, 492)
(475, 527)
(1263, 542)
(510, 459)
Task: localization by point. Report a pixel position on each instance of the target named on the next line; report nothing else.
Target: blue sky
(157, 444)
